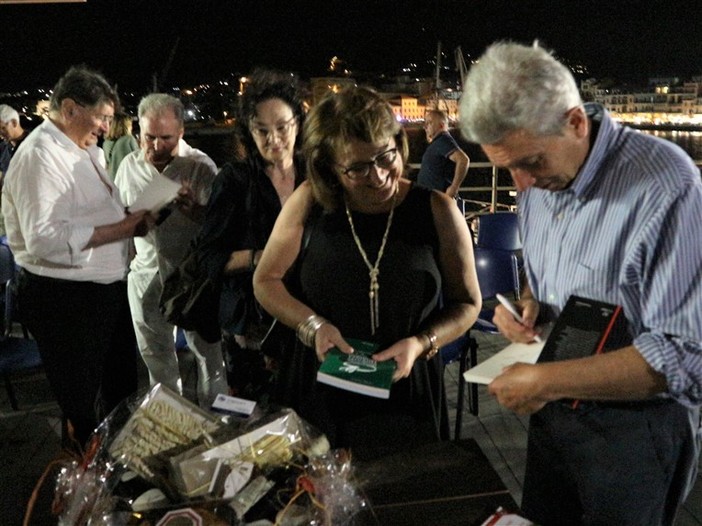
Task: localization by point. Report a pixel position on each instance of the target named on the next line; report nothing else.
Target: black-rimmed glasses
(383, 160)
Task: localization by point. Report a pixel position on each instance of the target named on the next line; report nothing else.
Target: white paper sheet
(160, 191)
(485, 372)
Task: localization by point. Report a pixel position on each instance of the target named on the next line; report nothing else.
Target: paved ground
(29, 440)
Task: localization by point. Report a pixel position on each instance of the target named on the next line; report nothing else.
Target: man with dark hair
(69, 231)
(444, 164)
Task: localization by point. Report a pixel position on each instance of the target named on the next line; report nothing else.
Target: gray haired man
(163, 151)
(610, 214)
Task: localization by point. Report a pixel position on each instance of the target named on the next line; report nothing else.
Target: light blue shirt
(627, 231)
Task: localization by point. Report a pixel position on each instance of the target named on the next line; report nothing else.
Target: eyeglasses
(280, 131)
(104, 119)
(383, 160)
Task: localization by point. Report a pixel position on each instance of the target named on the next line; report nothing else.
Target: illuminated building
(665, 102)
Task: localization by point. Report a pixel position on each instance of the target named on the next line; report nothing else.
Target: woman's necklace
(373, 270)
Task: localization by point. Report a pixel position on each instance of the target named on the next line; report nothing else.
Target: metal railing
(493, 205)
(494, 188)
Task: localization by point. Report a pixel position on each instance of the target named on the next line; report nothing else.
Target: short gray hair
(8, 113)
(157, 103)
(512, 87)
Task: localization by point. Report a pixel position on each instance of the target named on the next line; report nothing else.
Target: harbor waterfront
(690, 141)
(220, 143)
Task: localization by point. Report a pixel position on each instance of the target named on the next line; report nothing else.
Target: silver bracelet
(307, 329)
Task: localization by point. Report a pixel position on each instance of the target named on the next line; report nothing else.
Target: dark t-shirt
(437, 169)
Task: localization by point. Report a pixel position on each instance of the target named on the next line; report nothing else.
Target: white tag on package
(231, 404)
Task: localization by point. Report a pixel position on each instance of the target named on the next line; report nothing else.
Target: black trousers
(86, 340)
(609, 463)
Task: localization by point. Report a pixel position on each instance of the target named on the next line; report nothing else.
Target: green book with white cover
(357, 372)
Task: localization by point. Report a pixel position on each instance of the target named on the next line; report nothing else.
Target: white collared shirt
(166, 244)
(54, 195)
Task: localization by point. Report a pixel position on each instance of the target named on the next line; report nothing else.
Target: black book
(586, 327)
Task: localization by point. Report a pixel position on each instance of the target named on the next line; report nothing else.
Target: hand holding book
(358, 372)
(486, 371)
(584, 327)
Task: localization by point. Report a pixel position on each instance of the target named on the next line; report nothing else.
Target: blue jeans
(609, 463)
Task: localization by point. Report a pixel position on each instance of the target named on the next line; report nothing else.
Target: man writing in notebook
(610, 214)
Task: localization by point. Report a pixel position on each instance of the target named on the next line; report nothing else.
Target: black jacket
(240, 215)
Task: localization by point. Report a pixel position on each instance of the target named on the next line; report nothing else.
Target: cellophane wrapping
(161, 458)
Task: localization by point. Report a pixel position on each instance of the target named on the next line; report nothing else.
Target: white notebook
(157, 194)
(486, 371)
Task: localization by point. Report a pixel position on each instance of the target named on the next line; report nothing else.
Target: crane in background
(437, 100)
(460, 64)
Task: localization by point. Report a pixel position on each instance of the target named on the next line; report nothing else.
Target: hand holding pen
(515, 314)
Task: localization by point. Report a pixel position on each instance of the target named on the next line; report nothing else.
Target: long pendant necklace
(373, 270)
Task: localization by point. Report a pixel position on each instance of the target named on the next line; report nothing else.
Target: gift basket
(164, 461)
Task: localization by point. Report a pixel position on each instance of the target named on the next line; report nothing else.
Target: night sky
(129, 40)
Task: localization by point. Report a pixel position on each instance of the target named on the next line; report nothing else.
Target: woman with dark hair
(386, 262)
(247, 196)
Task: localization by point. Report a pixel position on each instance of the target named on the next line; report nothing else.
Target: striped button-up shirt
(627, 231)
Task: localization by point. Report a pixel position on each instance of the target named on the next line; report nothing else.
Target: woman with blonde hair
(119, 142)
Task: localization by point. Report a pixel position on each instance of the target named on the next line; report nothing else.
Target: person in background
(245, 203)
(11, 134)
(69, 231)
(163, 151)
(444, 164)
(406, 247)
(610, 214)
(119, 142)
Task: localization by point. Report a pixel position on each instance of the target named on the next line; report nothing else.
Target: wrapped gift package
(163, 460)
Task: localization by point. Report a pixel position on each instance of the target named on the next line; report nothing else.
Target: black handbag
(190, 299)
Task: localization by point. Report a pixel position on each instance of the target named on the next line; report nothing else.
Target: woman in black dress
(386, 262)
(246, 198)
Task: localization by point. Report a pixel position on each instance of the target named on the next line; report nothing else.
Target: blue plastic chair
(18, 354)
(497, 273)
(500, 231)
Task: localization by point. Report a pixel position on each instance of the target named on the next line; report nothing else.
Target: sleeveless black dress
(334, 281)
